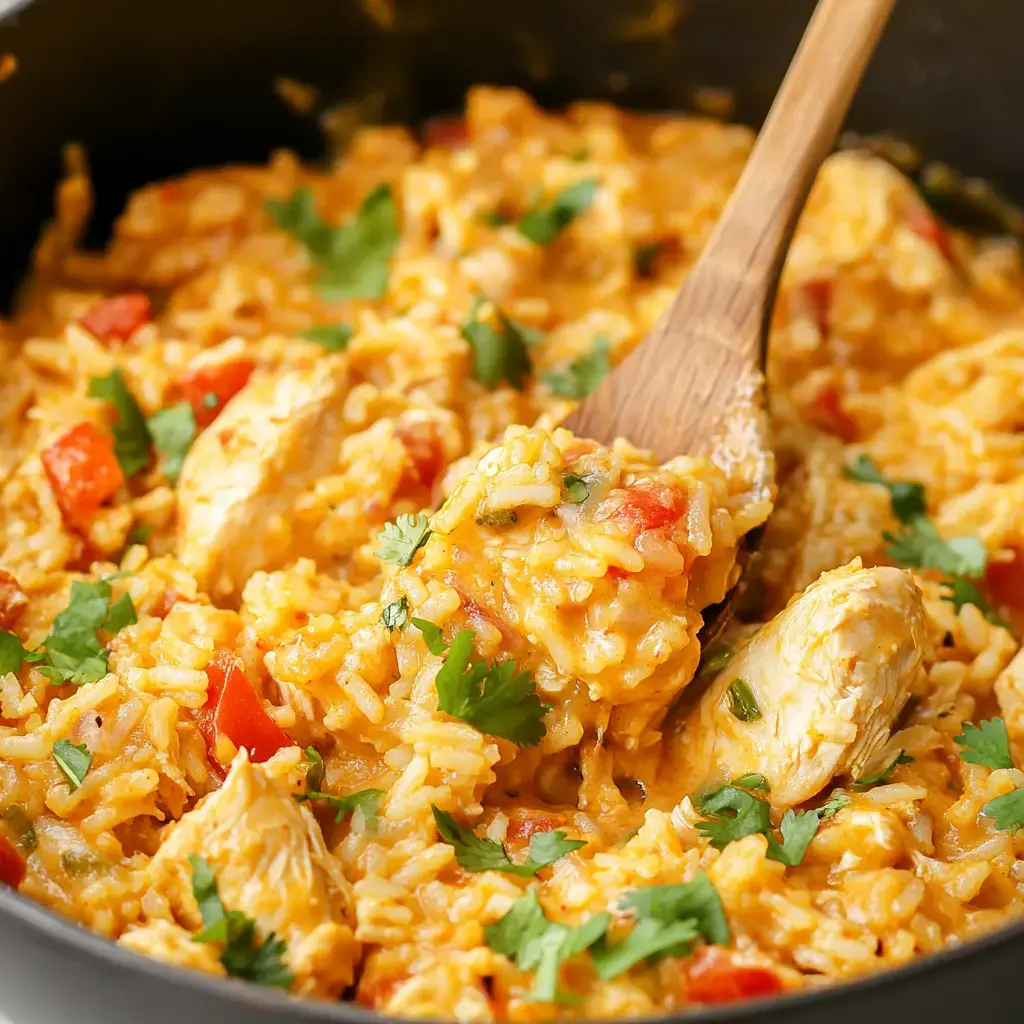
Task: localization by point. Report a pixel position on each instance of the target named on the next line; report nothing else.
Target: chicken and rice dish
(331, 662)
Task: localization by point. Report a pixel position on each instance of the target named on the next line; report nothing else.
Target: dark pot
(155, 87)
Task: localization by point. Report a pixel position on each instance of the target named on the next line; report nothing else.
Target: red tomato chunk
(118, 318)
(233, 710)
(12, 866)
(83, 470)
(925, 224)
(208, 388)
(446, 132)
(648, 508)
(715, 977)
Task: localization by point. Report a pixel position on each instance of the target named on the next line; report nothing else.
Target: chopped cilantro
(986, 743)
(499, 352)
(494, 698)
(354, 259)
(752, 780)
(242, 957)
(1007, 810)
(365, 801)
(492, 218)
(575, 489)
(333, 337)
(73, 760)
(906, 497)
(18, 821)
(173, 430)
(797, 828)
(131, 435)
(578, 378)
(496, 517)
(881, 776)
(432, 637)
(963, 592)
(476, 854)
(13, 653)
(73, 652)
(833, 805)
(526, 936)
(396, 614)
(400, 540)
(542, 224)
(742, 703)
(139, 534)
(649, 940)
(315, 771)
(747, 816)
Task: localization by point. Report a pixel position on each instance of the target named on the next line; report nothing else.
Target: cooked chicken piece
(271, 862)
(172, 944)
(829, 675)
(243, 474)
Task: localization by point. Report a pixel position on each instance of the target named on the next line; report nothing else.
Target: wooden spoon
(695, 383)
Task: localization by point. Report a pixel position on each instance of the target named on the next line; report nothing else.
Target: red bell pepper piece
(713, 976)
(208, 388)
(232, 709)
(118, 318)
(12, 865)
(83, 470)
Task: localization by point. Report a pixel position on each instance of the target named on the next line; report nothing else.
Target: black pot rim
(49, 925)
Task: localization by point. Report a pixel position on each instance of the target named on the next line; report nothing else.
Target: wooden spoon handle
(755, 229)
(708, 350)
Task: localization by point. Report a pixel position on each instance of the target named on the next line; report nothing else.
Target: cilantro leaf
(833, 805)
(315, 771)
(752, 780)
(963, 592)
(986, 743)
(525, 935)
(365, 801)
(544, 223)
(499, 351)
(332, 337)
(400, 540)
(493, 698)
(649, 940)
(73, 760)
(575, 489)
(906, 497)
(73, 652)
(13, 653)
(496, 517)
(578, 378)
(396, 614)
(476, 854)
(139, 535)
(749, 816)
(742, 703)
(881, 776)
(797, 828)
(21, 825)
(697, 899)
(492, 218)
(173, 430)
(131, 435)
(355, 258)
(242, 957)
(1007, 810)
(432, 637)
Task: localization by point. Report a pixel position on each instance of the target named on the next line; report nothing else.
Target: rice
(581, 571)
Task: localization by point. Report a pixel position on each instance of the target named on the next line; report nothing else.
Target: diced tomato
(237, 712)
(713, 976)
(208, 388)
(617, 573)
(426, 454)
(826, 412)
(446, 132)
(12, 865)
(83, 470)
(814, 299)
(524, 826)
(1005, 581)
(648, 508)
(12, 600)
(375, 991)
(924, 223)
(118, 318)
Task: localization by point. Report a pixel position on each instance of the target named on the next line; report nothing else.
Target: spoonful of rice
(696, 383)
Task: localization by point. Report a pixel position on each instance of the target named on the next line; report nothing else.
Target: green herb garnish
(332, 337)
(986, 743)
(365, 801)
(173, 430)
(400, 540)
(499, 352)
(578, 378)
(742, 703)
(396, 614)
(543, 223)
(883, 775)
(73, 760)
(131, 435)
